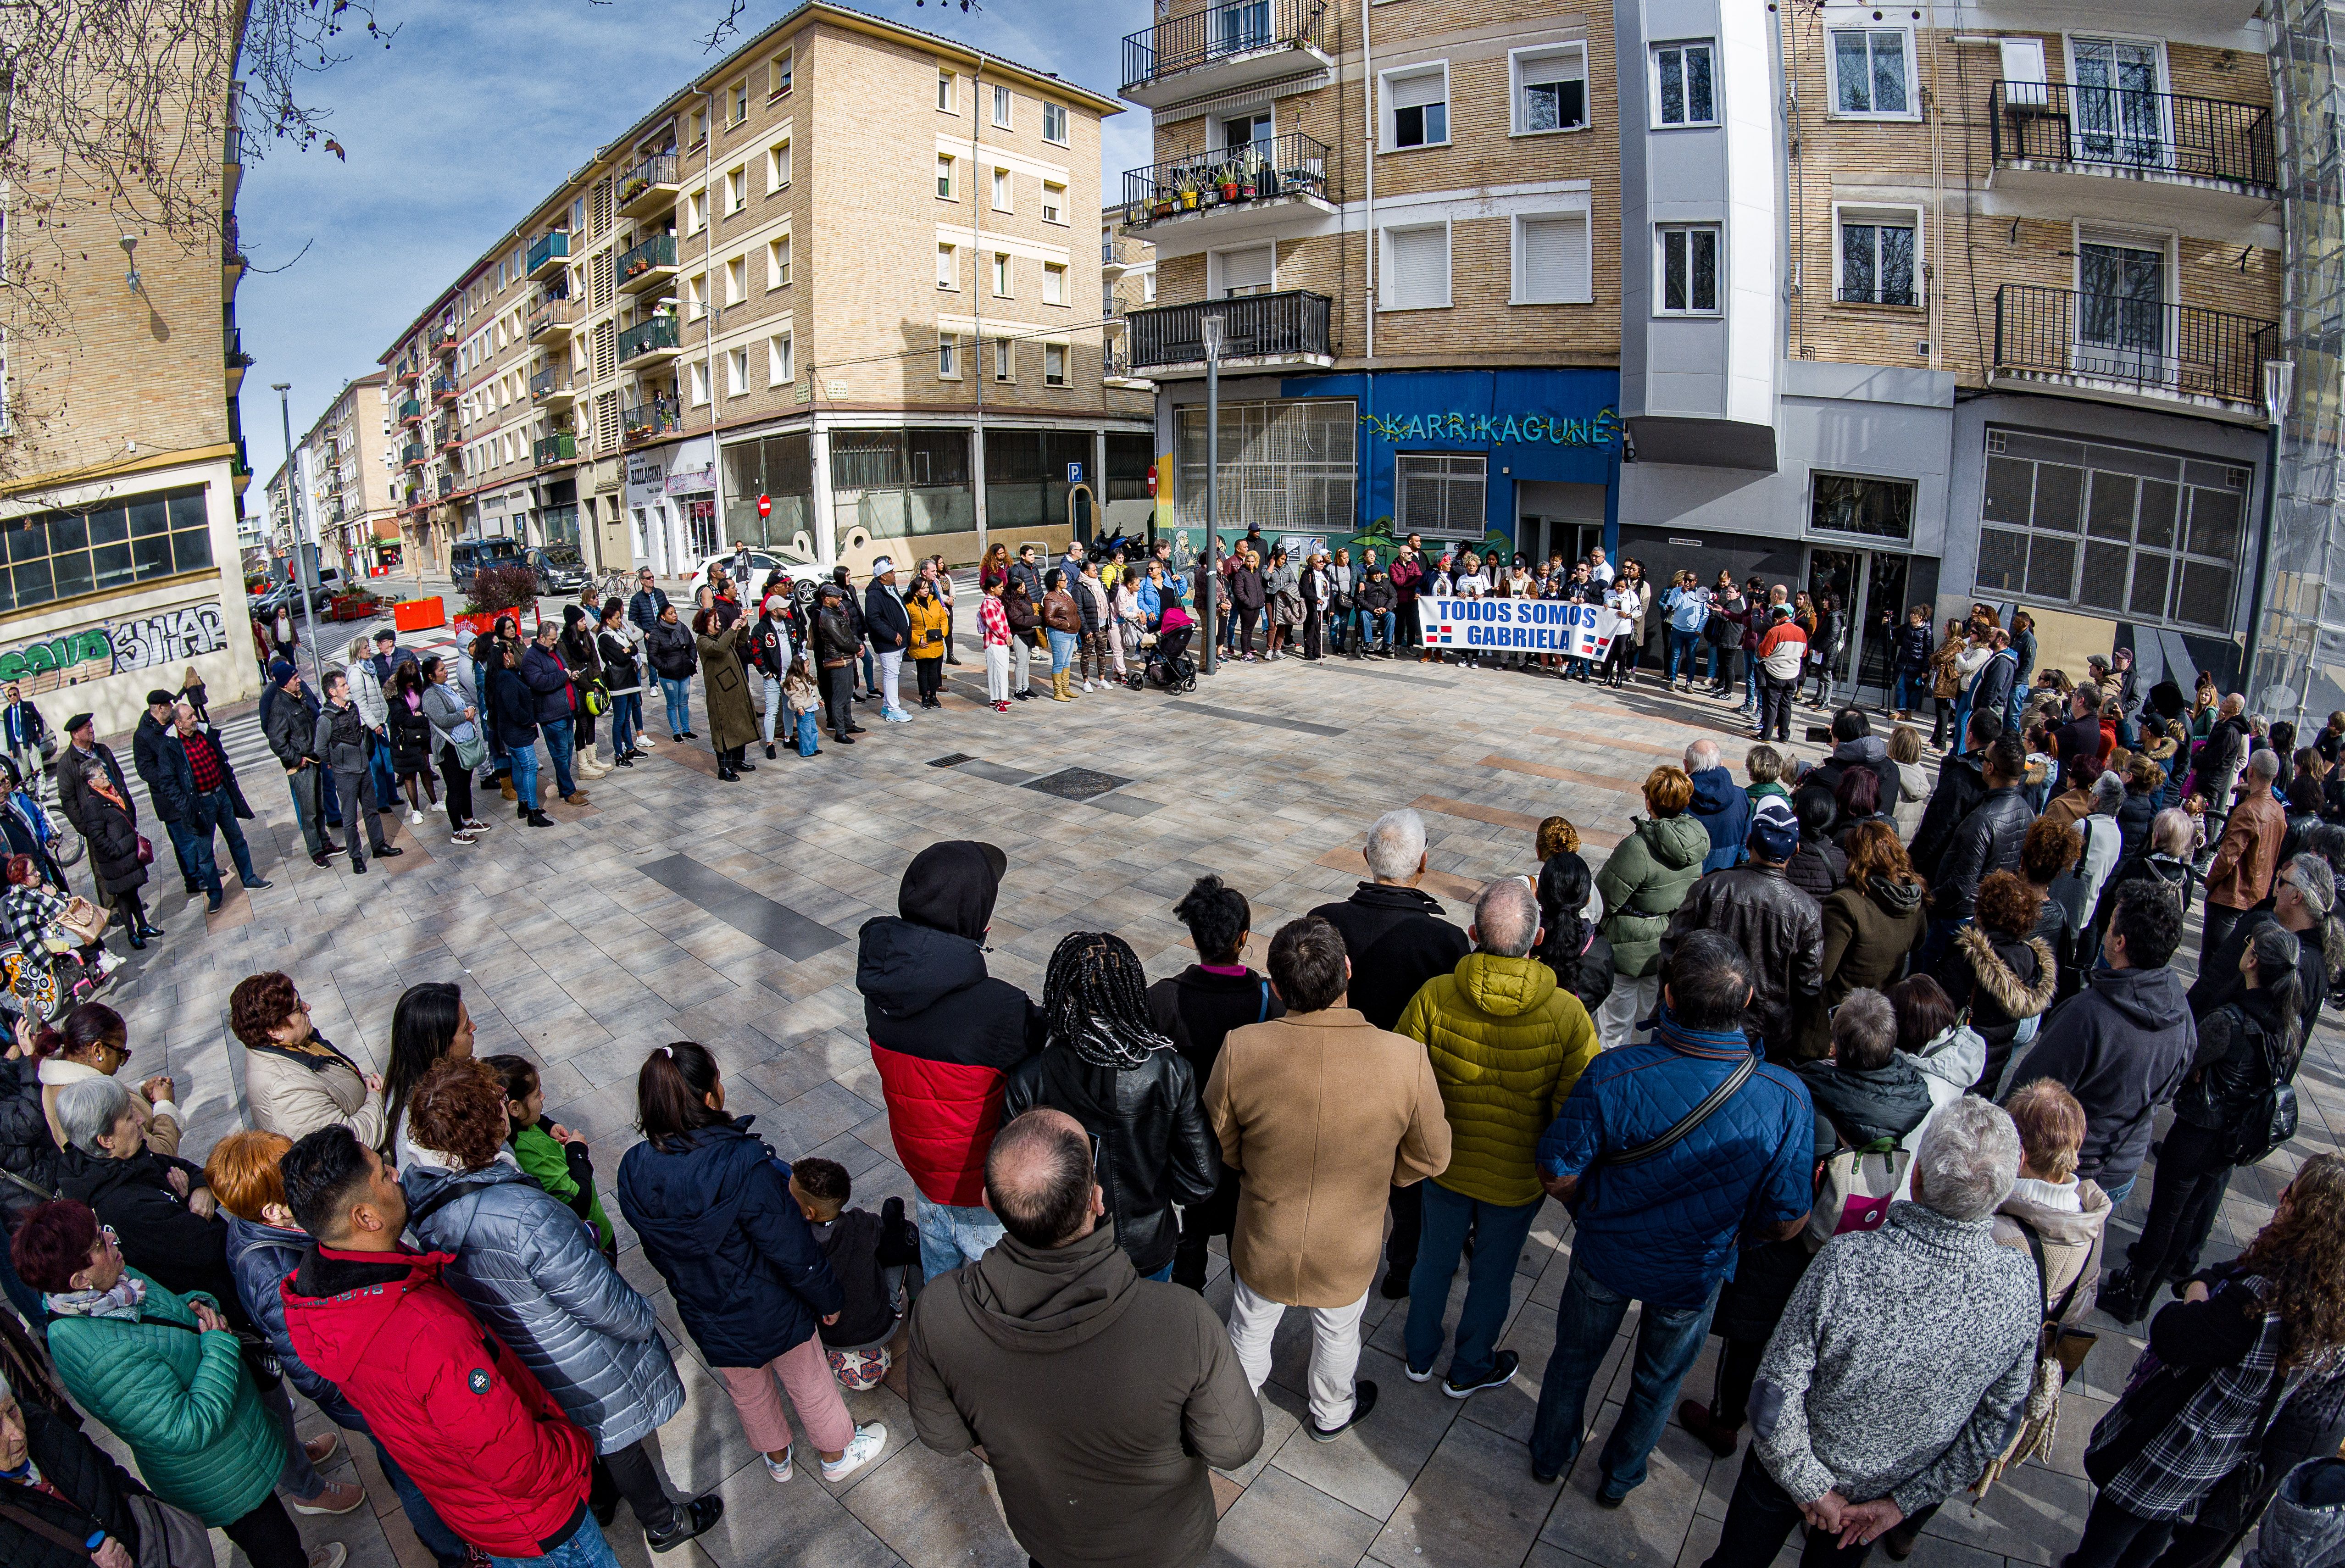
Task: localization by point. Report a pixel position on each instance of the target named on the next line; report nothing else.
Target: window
(778, 262)
(1550, 89)
(781, 366)
(64, 555)
(1002, 108)
(1416, 268)
(1004, 365)
(500, 276)
(1054, 364)
(738, 97)
(1000, 190)
(2149, 535)
(697, 211)
(736, 368)
(948, 266)
(699, 126)
(1234, 274)
(1877, 257)
(1054, 283)
(1002, 274)
(1689, 269)
(1682, 88)
(1869, 72)
(949, 356)
(1416, 106)
(1148, 287)
(1241, 130)
(1440, 493)
(696, 295)
(944, 177)
(945, 93)
(778, 166)
(1054, 122)
(777, 75)
(1551, 261)
(700, 382)
(736, 280)
(1054, 203)
(736, 189)
(1850, 504)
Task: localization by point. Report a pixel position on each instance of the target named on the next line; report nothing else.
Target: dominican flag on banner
(1441, 636)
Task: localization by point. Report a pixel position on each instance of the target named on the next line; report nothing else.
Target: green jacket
(1507, 1043)
(1648, 874)
(181, 1398)
(539, 1155)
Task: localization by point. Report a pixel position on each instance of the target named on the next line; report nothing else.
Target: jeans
(584, 1549)
(1759, 1515)
(773, 707)
(952, 1235)
(558, 740)
(1334, 1347)
(1912, 685)
(221, 805)
(1500, 1232)
(195, 852)
(1382, 626)
(2121, 1191)
(1669, 1342)
(1063, 651)
(1685, 647)
(678, 695)
(838, 696)
(524, 775)
(297, 1478)
(626, 721)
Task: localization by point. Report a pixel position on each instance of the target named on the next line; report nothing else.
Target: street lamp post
(305, 535)
(2280, 384)
(1210, 329)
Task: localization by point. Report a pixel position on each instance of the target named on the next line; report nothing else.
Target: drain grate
(1076, 783)
(952, 760)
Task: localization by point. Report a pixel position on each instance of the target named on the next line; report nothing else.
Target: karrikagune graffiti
(68, 658)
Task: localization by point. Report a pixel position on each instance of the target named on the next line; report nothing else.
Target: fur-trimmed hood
(1996, 979)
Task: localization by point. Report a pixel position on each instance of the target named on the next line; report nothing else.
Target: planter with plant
(1229, 179)
(1188, 191)
(497, 590)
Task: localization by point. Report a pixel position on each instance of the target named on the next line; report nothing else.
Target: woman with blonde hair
(1644, 881)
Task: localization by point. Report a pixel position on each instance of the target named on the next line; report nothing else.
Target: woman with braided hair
(1105, 1064)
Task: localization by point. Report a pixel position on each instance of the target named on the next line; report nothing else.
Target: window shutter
(1249, 268)
(1416, 268)
(1555, 260)
(1416, 91)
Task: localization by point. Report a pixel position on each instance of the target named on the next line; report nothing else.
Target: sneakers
(869, 1439)
(321, 1448)
(895, 716)
(1414, 1376)
(1501, 1373)
(461, 837)
(474, 825)
(693, 1519)
(340, 1497)
(414, 818)
(1396, 1288)
(332, 1555)
(778, 1469)
(1364, 1400)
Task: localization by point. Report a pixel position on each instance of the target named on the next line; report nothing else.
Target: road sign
(1151, 479)
(764, 506)
(1074, 474)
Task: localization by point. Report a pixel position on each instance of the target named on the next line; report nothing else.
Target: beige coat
(159, 1119)
(1321, 1115)
(287, 1094)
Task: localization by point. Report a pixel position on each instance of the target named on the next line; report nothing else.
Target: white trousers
(1334, 1347)
(891, 671)
(1023, 652)
(996, 672)
(1616, 1020)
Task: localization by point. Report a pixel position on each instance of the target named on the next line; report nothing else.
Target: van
(467, 557)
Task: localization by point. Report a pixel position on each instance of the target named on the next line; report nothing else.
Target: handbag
(85, 920)
(169, 1536)
(595, 699)
(471, 751)
(2057, 1341)
(1855, 1189)
(146, 851)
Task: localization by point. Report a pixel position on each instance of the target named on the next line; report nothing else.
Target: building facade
(770, 313)
(349, 464)
(122, 457)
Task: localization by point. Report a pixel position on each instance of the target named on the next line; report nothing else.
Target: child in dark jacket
(868, 1253)
(552, 1154)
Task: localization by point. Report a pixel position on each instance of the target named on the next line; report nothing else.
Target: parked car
(760, 563)
(467, 557)
(289, 592)
(559, 569)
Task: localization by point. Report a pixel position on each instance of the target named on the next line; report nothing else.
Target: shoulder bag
(2058, 1343)
(1856, 1188)
(1684, 1125)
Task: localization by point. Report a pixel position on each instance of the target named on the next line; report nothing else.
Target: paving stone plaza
(675, 906)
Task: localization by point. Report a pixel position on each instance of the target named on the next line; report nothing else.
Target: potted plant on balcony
(1188, 191)
(1261, 177)
(1230, 178)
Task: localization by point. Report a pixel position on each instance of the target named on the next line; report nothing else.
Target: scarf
(102, 784)
(1693, 1042)
(122, 1301)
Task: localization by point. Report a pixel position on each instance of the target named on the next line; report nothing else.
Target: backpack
(2271, 1115)
(1856, 1188)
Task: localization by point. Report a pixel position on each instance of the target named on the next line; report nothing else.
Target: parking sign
(1074, 474)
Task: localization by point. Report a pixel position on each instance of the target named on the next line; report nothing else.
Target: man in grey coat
(341, 742)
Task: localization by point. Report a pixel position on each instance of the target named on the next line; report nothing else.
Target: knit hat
(1775, 829)
(281, 671)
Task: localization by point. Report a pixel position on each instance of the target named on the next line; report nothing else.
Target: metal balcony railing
(407, 372)
(658, 169)
(444, 389)
(411, 412)
(237, 357)
(2145, 345)
(1289, 165)
(553, 313)
(1118, 253)
(412, 455)
(546, 382)
(660, 416)
(560, 447)
(2144, 133)
(659, 252)
(1288, 325)
(652, 333)
(1216, 33)
(553, 246)
(447, 486)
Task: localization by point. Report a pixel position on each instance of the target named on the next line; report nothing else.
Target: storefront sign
(646, 477)
(700, 482)
(1495, 428)
(1520, 626)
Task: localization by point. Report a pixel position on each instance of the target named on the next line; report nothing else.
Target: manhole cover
(1076, 783)
(952, 760)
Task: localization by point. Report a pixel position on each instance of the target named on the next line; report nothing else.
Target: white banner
(1519, 626)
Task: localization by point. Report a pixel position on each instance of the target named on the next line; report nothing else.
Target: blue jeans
(1382, 625)
(952, 1235)
(774, 708)
(626, 721)
(524, 774)
(1062, 650)
(1500, 1232)
(2122, 1191)
(678, 695)
(447, 1550)
(560, 741)
(1685, 647)
(195, 855)
(587, 1549)
(1669, 1342)
(809, 733)
(1913, 685)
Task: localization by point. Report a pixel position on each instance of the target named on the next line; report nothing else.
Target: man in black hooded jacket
(945, 1036)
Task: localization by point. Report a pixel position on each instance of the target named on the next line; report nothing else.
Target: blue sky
(475, 111)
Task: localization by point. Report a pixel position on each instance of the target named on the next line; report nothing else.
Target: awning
(1696, 442)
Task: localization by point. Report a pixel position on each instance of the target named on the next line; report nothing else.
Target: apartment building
(1127, 283)
(805, 301)
(348, 463)
(122, 453)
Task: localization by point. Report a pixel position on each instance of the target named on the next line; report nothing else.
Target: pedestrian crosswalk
(248, 749)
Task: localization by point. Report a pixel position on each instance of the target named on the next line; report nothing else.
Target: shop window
(1682, 94)
(1852, 503)
(1288, 464)
(1441, 492)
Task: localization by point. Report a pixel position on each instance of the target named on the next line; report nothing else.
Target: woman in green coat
(167, 1377)
(732, 720)
(1648, 876)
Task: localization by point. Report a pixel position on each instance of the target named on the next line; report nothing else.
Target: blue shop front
(1524, 460)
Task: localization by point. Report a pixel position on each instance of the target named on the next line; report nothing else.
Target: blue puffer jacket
(716, 1219)
(530, 1269)
(261, 1256)
(1724, 812)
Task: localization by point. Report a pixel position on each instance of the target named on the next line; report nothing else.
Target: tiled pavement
(673, 906)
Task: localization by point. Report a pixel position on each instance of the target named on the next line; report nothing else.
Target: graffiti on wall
(91, 653)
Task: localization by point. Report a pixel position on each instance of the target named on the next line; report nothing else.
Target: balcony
(411, 412)
(648, 265)
(649, 187)
(551, 254)
(232, 259)
(2123, 154)
(447, 437)
(550, 322)
(444, 340)
(562, 447)
(1222, 49)
(1115, 370)
(1263, 190)
(644, 421)
(2141, 353)
(407, 373)
(238, 361)
(412, 455)
(443, 390)
(1116, 256)
(550, 388)
(650, 342)
(1286, 330)
(447, 486)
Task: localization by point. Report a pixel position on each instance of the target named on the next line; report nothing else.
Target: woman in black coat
(80, 1493)
(2000, 970)
(1580, 956)
(410, 740)
(99, 805)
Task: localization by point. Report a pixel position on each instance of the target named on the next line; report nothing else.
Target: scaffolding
(2300, 659)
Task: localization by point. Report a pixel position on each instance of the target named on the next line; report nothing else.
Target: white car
(760, 563)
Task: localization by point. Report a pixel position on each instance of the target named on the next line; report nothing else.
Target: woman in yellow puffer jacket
(931, 630)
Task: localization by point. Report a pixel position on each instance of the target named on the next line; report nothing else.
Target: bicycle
(617, 585)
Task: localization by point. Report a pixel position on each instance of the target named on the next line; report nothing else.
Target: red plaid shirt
(204, 757)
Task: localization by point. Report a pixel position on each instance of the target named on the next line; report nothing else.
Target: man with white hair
(1719, 805)
(1507, 1043)
(1895, 1372)
(2241, 875)
(1396, 940)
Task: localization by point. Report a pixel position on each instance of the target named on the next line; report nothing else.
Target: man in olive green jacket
(1507, 1045)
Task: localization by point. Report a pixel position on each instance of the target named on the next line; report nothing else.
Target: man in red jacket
(493, 1453)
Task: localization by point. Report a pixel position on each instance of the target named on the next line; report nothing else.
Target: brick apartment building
(770, 312)
(349, 462)
(122, 457)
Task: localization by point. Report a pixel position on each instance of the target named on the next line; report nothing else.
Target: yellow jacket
(931, 624)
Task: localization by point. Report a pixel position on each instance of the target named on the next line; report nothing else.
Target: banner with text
(1518, 625)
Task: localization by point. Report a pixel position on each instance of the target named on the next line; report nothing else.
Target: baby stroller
(1164, 655)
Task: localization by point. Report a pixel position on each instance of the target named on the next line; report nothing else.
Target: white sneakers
(869, 1439)
(779, 1468)
(414, 817)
